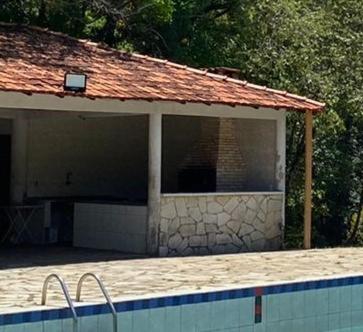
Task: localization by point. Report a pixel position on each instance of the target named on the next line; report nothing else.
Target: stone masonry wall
(220, 223)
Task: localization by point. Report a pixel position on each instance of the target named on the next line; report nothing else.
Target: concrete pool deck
(21, 282)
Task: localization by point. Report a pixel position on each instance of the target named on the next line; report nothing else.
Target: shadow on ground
(21, 257)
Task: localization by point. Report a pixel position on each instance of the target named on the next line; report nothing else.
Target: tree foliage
(310, 47)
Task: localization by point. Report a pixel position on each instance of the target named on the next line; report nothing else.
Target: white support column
(281, 159)
(19, 144)
(281, 152)
(154, 183)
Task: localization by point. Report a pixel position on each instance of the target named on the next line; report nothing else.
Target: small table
(20, 217)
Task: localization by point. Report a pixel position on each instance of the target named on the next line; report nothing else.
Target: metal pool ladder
(104, 292)
(65, 293)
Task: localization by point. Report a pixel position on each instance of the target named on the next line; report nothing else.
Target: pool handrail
(104, 292)
(65, 293)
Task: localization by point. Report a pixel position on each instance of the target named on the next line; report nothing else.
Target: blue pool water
(334, 305)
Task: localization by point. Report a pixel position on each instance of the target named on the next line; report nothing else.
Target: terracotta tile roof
(33, 60)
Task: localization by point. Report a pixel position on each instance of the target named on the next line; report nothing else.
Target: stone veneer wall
(194, 224)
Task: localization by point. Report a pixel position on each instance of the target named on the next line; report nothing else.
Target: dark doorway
(5, 158)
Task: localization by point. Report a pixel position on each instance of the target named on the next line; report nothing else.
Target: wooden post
(154, 183)
(308, 177)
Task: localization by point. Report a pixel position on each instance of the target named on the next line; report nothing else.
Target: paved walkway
(20, 286)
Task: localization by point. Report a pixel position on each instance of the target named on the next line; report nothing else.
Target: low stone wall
(220, 223)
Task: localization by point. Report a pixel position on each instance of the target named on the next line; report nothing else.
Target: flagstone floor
(22, 273)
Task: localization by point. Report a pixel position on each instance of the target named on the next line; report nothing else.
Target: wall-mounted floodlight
(75, 82)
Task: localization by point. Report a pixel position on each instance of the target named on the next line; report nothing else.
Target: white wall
(104, 157)
(110, 226)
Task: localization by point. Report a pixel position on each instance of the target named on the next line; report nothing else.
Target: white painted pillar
(154, 183)
(281, 152)
(19, 142)
(281, 159)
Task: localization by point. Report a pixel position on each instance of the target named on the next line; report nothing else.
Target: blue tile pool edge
(176, 300)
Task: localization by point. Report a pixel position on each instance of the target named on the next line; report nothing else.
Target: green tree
(119, 23)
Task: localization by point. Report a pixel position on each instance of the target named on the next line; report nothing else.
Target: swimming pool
(334, 304)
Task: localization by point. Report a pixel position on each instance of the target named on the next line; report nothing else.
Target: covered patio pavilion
(153, 157)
